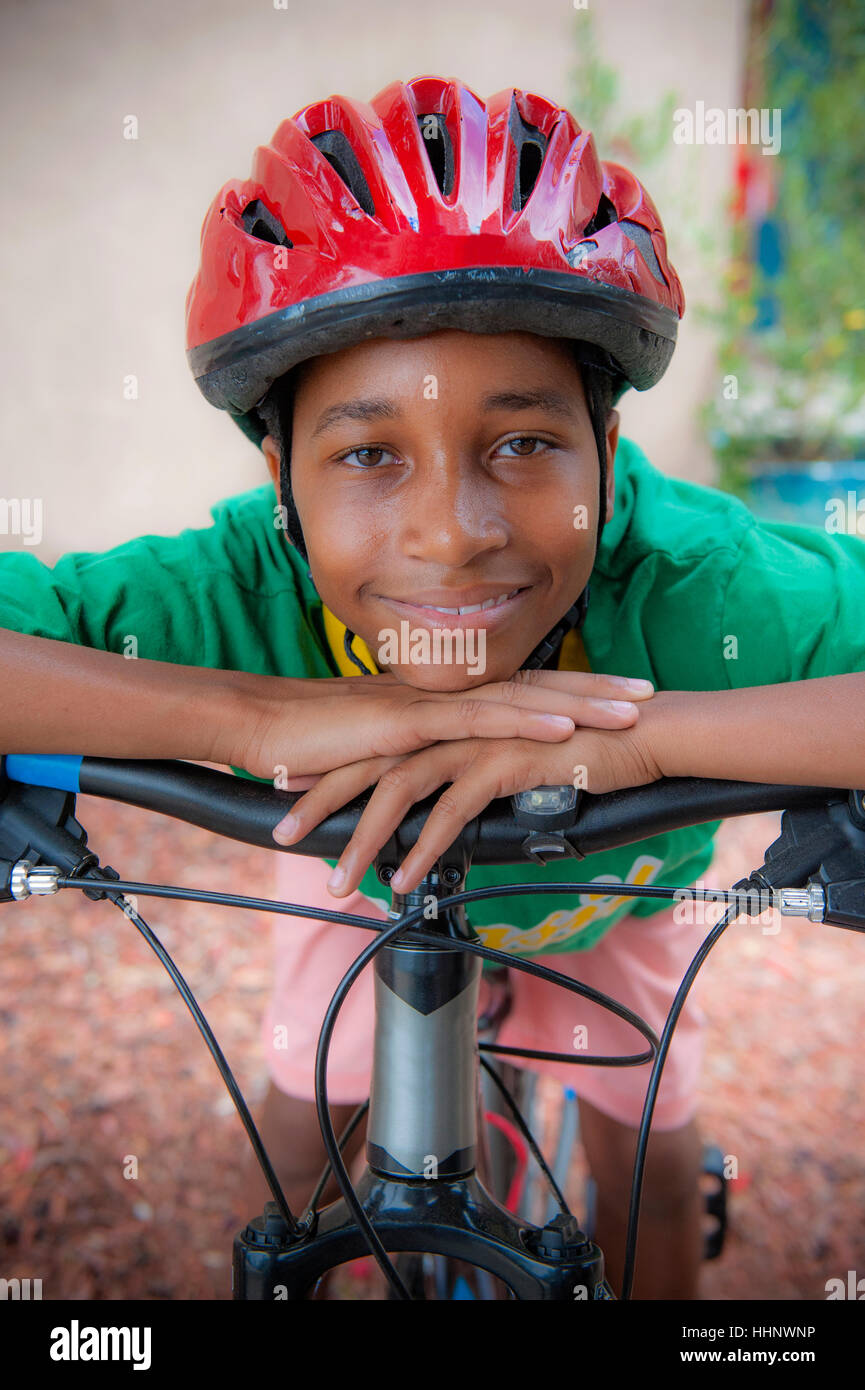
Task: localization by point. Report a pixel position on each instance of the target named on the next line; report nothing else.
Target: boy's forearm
(808, 732)
(62, 698)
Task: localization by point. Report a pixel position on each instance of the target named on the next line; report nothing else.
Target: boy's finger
(594, 711)
(331, 792)
(578, 711)
(465, 798)
(398, 790)
(595, 684)
(424, 722)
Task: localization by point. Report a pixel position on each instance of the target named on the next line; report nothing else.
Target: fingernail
(336, 880)
(397, 880)
(560, 721)
(634, 684)
(620, 706)
(285, 832)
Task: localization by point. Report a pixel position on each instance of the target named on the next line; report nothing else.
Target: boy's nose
(451, 518)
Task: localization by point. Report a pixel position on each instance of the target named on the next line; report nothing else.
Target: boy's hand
(310, 727)
(479, 771)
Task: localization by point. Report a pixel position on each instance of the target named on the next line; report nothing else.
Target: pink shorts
(639, 963)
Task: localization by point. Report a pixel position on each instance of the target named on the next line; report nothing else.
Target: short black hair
(601, 384)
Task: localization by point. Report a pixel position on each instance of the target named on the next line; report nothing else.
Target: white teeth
(474, 607)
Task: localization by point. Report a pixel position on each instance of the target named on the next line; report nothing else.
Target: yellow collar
(335, 632)
(572, 656)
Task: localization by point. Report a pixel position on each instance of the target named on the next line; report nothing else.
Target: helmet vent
(581, 251)
(339, 154)
(260, 222)
(440, 153)
(641, 238)
(604, 215)
(531, 146)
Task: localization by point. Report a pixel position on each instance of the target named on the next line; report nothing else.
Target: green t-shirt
(689, 590)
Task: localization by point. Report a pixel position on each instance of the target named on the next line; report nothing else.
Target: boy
(477, 234)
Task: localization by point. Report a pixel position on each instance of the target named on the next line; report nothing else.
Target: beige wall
(100, 234)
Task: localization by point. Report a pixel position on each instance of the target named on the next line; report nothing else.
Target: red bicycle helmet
(428, 208)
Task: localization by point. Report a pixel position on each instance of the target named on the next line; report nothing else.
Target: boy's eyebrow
(380, 408)
(376, 408)
(555, 402)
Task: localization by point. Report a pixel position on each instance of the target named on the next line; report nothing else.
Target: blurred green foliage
(639, 141)
(802, 377)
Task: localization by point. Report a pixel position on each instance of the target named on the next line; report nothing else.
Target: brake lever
(820, 850)
(842, 873)
(38, 827)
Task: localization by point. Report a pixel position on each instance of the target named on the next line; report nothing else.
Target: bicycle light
(546, 808)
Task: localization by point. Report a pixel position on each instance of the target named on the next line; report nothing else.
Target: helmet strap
(347, 639)
(546, 650)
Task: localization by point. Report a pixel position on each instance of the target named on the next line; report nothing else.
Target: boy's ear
(270, 449)
(613, 422)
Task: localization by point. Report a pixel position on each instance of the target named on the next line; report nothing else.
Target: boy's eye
(525, 439)
(368, 455)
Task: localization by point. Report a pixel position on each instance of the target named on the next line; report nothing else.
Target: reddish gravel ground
(104, 1072)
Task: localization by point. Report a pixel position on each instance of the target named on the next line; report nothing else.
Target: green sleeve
(229, 596)
(132, 600)
(794, 604)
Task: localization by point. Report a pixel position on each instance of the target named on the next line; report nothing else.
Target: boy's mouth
(460, 609)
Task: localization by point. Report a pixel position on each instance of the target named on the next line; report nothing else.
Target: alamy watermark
(736, 126)
(20, 1289)
(443, 646)
(77, 1343)
(846, 515)
(854, 1288)
(21, 516)
(706, 908)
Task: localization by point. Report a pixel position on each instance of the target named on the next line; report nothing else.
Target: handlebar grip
(45, 769)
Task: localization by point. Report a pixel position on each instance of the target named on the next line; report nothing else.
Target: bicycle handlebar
(247, 811)
(506, 831)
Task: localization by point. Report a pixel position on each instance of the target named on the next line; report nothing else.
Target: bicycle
(420, 1191)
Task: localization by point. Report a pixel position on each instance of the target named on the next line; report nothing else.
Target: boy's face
(443, 472)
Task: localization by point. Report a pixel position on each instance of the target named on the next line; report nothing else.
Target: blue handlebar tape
(45, 769)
